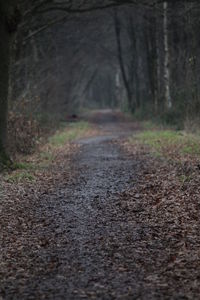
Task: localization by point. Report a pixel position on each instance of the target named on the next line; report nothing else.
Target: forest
(142, 58)
(99, 149)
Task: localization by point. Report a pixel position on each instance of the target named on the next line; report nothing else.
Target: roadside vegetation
(27, 167)
(170, 143)
(172, 156)
(166, 194)
(75, 130)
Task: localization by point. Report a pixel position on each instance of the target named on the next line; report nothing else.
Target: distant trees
(157, 48)
(168, 101)
(127, 69)
(148, 51)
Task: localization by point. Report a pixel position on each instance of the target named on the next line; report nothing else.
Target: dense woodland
(99, 149)
(60, 57)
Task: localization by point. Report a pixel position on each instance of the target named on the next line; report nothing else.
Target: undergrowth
(169, 142)
(26, 168)
(20, 176)
(72, 132)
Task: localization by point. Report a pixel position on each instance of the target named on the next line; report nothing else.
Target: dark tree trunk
(4, 76)
(122, 64)
(8, 23)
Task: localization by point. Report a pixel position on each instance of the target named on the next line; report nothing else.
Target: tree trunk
(157, 72)
(4, 76)
(168, 101)
(8, 24)
(121, 63)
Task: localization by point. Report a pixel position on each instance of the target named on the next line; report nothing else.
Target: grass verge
(169, 143)
(26, 168)
(74, 131)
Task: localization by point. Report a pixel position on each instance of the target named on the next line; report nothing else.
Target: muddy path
(80, 233)
(86, 240)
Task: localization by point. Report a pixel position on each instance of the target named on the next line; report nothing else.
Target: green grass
(148, 125)
(24, 171)
(70, 133)
(20, 176)
(46, 156)
(185, 178)
(160, 140)
(23, 166)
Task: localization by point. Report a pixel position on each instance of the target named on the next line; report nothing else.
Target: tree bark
(121, 62)
(168, 101)
(4, 75)
(8, 23)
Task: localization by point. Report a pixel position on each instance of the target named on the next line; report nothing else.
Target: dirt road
(92, 245)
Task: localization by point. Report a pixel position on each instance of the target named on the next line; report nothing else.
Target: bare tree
(168, 101)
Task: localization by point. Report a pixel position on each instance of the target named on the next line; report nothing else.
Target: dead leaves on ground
(23, 236)
(165, 201)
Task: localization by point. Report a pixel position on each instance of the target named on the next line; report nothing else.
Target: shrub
(23, 133)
